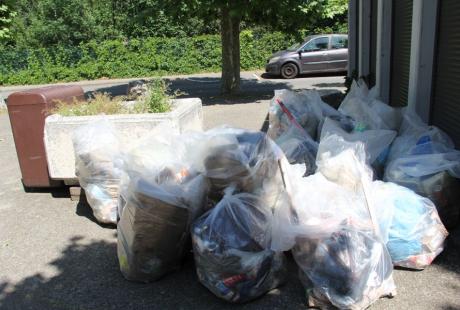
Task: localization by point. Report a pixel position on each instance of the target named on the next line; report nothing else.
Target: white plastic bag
(332, 229)
(305, 107)
(375, 141)
(161, 194)
(410, 225)
(424, 160)
(367, 111)
(98, 165)
(242, 158)
(299, 148)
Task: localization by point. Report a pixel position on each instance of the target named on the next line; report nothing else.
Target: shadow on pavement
(306, 75)
(83, 209)
(449, 259)
(208, 89)
(88, 277)
(57, 192)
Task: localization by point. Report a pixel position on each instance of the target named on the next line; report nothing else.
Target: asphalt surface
(53, 255)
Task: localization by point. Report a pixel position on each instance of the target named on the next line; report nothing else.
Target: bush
(136, 58)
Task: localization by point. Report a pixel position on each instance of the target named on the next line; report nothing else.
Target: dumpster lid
(44, 94)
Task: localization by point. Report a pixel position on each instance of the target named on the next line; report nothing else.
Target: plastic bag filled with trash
(376, 141)
(248, 160)
(98, 166)
(369, 113)
(286, 107)
(299, 148)
(410, 225)
(296, 119)
(332, 230)
(423, 159)
(161, 194)
(231, 248)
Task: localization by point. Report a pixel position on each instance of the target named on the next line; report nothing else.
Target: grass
(156, 100)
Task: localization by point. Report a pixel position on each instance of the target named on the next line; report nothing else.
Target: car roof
(323, 35)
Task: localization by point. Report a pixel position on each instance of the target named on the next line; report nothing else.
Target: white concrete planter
(186, 114)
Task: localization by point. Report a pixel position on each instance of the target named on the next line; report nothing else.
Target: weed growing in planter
(155, 100)
(101, 103)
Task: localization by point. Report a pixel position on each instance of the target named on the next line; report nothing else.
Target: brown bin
(27, 111)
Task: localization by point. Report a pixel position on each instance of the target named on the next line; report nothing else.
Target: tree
(284, 15)
(287, 15)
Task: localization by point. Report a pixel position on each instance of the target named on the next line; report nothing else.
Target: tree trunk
(230, 34)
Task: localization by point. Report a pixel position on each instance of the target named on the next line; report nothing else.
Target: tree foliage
(145, 57)
(6, 18)
(71, 22)
(40, 34)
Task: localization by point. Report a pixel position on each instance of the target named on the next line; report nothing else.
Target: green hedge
(136, 58)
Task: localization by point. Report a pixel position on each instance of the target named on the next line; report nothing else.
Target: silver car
(318, 53)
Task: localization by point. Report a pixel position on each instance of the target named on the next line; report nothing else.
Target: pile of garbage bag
(423, 158)
(351, 193)
(400, 147)
(231, 242)
(332, 230)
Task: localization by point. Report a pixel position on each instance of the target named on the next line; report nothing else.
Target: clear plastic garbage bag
(238, 157)
(306, 108)
(161, 194)
(299, 148)
(424, 160)
(332, 230)
(98, 166)
(350, 269)
(367, 111)
(410, 225)
(231, 248)
(375, 141)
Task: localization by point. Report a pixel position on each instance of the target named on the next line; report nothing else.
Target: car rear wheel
(289, 71)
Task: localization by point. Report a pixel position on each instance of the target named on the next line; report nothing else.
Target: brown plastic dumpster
(27, 111)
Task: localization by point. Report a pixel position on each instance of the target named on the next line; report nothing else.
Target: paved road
(206, 85)
(54, 256)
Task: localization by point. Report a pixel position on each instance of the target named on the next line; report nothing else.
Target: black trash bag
(231, 248)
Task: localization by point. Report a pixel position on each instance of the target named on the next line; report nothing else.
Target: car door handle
(324, 54)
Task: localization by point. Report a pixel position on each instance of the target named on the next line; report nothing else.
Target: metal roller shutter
(446, 99)
(400, 56)
(373, 47)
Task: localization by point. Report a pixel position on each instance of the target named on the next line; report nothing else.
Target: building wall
(445, 112)
(416, 61)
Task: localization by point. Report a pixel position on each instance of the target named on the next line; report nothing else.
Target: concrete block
(186, 114)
